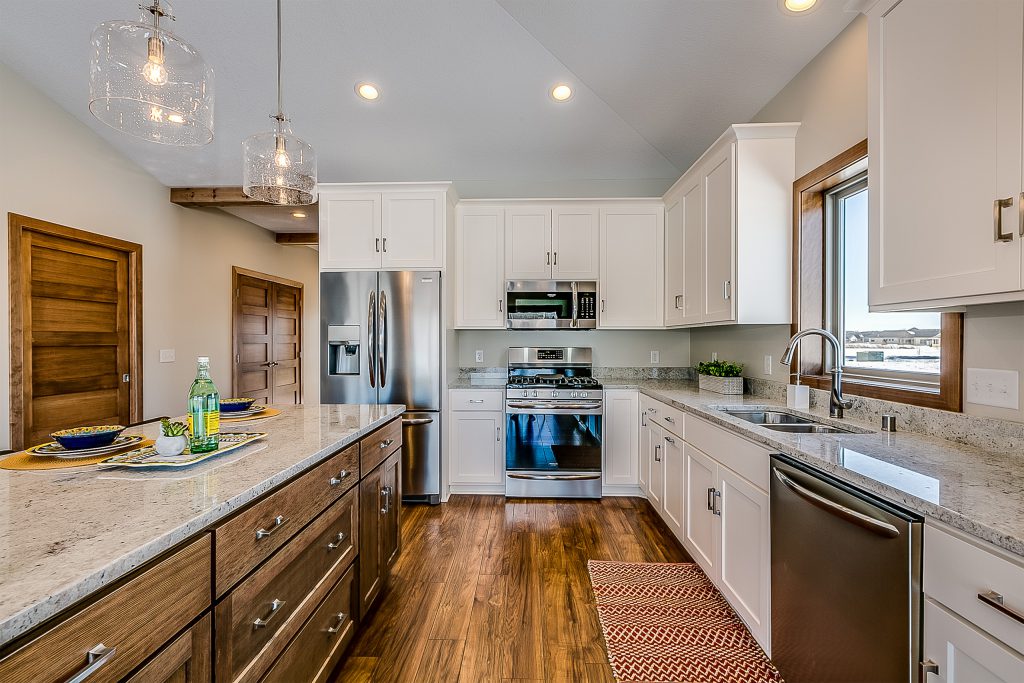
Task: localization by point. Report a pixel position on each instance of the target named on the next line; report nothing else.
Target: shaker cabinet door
(574, 244)
(527, 243)
(350, 231)
(965, 654)
(480, 264)
(632, 268)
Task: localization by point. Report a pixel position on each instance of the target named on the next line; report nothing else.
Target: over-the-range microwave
(550, 305)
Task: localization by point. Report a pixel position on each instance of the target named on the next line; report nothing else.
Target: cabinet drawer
(665, 415)
(134, 621)
(477, 399)
(375, 448)
(189, 659)
(957, 571)
(741, 456)
(257, 618)
(250, 537)
(322, 641)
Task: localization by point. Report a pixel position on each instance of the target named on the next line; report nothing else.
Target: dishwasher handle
(870, 523)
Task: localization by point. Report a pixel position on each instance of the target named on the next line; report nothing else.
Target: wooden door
(350, 231)
(76, 329)
(480, 277)
(527, 243)
(575, 244)
(392, 527)
(267, 338)
(413, 230)
(186, 659)
(371, 523)
(632, 268)
(719, 228)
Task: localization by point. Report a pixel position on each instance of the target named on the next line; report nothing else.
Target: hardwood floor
(495, 590)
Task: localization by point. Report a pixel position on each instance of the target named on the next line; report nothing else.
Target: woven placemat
(27, 461)
(269, 412)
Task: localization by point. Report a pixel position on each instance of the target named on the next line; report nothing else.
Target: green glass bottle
(203, 411)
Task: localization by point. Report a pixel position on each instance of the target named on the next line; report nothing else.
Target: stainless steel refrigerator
(381, 343)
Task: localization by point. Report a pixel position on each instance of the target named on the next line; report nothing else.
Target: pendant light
(279, 168)
(147, 82)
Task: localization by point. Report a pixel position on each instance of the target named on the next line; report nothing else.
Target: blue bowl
(234, 405)
(87, 437)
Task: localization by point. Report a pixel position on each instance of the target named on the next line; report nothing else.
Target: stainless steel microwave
(550, 305)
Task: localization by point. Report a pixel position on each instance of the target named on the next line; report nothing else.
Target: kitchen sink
(806, 428)
(778, 421)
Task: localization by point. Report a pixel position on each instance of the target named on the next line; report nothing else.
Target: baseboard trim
(481, 489)
(623, 490)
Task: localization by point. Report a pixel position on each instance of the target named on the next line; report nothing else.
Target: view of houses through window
(872, 342)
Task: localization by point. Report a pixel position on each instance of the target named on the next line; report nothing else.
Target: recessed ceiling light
(368, 91)
(798, 6)
(561, 92)
(298, 214)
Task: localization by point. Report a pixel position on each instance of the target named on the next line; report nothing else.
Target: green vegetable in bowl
(720, 368)
(168, 428)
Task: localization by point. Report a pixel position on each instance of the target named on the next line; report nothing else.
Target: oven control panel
(553, 393)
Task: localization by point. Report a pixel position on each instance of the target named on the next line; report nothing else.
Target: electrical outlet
(999, 388)
(768, 365)
(166, 355)
(479, 355)
(655, 356)
(714, 355)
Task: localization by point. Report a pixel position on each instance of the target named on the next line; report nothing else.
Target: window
(911, 357)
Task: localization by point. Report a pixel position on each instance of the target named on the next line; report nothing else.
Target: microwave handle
(575, 306)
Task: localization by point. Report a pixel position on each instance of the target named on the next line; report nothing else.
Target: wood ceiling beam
(201, 197)
(303, 238)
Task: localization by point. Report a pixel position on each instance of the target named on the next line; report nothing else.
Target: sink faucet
(836, 403)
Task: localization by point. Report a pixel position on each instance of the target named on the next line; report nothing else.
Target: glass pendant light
(279, 168)
(147, 82)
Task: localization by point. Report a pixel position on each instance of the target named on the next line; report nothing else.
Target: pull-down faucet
(836, 403)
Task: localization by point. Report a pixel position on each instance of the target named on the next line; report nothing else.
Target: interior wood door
(267, 339)
(76, 330)
(371, 545)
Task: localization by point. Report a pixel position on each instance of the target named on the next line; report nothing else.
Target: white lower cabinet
(655, 467)
(700, 539)
(621, 440)
(962, 653)
(673, 471)
(476, 451)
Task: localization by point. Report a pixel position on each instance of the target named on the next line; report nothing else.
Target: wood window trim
(809, 292)
(17, 224)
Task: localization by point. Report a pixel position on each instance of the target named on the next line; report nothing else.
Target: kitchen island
(69, 535)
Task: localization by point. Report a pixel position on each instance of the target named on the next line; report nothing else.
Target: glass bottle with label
(203, 411)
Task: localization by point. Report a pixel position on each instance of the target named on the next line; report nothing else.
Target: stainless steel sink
(806, 428)
(769, 417)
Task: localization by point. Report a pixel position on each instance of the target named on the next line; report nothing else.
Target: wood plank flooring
(490, 590)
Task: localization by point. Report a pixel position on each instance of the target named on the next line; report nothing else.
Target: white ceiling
(464, 84)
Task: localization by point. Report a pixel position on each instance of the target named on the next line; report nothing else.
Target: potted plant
(173, 438)
(720, 376)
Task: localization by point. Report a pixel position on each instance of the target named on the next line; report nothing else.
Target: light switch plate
(714, 355)
(768, 364)
(166, 355)
(998, 388)
(655, 356)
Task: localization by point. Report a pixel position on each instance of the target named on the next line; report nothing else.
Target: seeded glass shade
(148, 83)
(279, 168)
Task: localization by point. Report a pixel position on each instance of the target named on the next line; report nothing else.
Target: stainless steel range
(554, 416)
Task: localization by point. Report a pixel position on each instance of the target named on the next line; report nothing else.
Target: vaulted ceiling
(464, 84)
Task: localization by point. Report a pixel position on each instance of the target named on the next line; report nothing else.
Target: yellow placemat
(269, 412)
(27, 461)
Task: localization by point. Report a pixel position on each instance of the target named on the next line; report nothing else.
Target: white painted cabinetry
(621, 440)
(412, 230)
(551, 243)
(476, 457)
(350, 225)
(673, 509)
(963, 653)
(632, 282)
(527, 243)
(656, 467)
(575, 243)
(662, 461)
(479, 263)
(945, 120)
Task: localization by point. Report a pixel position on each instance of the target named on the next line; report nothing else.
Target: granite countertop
(67, 533)
(977, 491)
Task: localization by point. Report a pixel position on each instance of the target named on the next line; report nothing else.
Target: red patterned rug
(668, 623)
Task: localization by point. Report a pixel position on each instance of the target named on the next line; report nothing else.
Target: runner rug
(668, 623)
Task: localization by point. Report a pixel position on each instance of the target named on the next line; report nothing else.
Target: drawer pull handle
(996, 601)
(336, 543)
(386, 443)
(340, 619)
(95, 659)
(334, 481)
(669, 419)
(476, 400)
(670, 439)
(275, 607)
(278, 523)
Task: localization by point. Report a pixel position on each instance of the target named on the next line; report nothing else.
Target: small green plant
(168, 428)
(720, 368)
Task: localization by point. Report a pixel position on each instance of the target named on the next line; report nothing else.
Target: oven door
(553, 450)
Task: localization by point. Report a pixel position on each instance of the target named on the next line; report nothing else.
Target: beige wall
(612, 348)
(58, 170)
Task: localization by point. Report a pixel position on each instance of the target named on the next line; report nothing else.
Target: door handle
(711, 498)
(497, 434)
(382, 343)
(1020, 212)
(716, 500)
(556, 258)
(376, 244)
(339, 620)
(371, 339)
(500, 306)
(96, 658)
(275, 608)
(926, 667)
(414, 421)
(996, 601)
(385, 245)
(262, 533)
(553, 477)
(657, 450)
(860, 519)
(336, 543)
(997, 219)
(547, 258)
(679, 302)
(334, 481)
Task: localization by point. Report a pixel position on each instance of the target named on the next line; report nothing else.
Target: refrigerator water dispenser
(343, 349)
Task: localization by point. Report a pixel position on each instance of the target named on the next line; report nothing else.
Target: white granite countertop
(975, 490)
(66, 533)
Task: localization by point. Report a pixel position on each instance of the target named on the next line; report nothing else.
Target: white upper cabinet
(479, 263)
(575, 243)
(675, 250)
(527, 243)
(632, 282)
(719, 233)
(692, 217)
(392, 227)
(944, 132)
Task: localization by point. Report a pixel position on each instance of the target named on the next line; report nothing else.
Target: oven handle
(554, 477)
(516, 408)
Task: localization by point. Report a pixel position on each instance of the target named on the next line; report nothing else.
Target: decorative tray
(147, 456)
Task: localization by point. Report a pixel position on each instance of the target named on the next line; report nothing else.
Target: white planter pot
(721, 385)
(171, 445)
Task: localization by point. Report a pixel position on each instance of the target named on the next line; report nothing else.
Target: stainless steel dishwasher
(846, 581)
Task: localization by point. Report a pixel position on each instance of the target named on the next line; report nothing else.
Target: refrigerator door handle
(371, 338)
(382, 342)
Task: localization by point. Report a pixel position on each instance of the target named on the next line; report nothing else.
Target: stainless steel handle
(643, 418)
(553, 477)
(679, 302)
(336, 543)
(376, 245)
(275, 607)
(602, 305)
(339, 621)
(96, 658)
(389, 496)
(996, 601)
(997, 219)
(556, 258)
(476, 400)
(385, 245)
(386, 443)
(382, 500)
(653, 411)
(562, 406)
(716, 499)
(547, 258)
(858, 518)
(668, 418)
(711, 498)
(575, 300)
(334, 481)
(670, 439)
(371, 339)
(924, 668)
(262, 533)
(657, 450)
(414, 421)
(497, 434)
(727, 290)
(500, 305)
(382, 344)
(1020, 213)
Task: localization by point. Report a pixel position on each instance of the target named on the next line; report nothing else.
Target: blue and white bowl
(87, 437)
(235, 405)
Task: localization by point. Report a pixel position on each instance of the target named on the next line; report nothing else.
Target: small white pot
(732, 386)
(171, 445)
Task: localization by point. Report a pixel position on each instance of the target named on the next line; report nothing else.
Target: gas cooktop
(550, 368)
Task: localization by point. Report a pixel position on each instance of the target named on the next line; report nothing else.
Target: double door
(542, 243)
(662, 470)
(267, 338)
